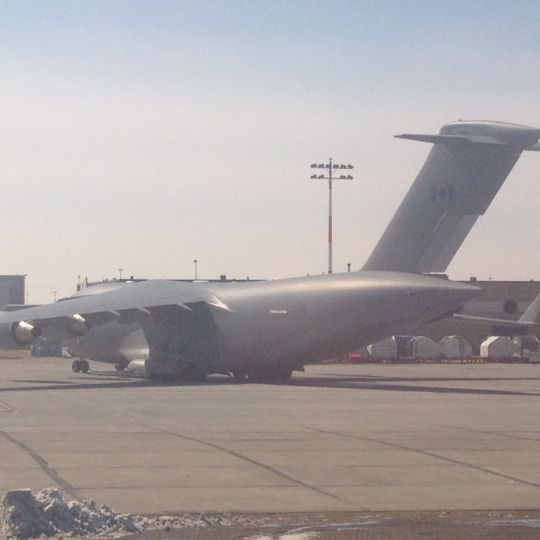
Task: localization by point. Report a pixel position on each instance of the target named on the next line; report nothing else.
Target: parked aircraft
(262, 329)
(266, 329)
(506, 327)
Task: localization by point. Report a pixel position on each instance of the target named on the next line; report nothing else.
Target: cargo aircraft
(265, 330)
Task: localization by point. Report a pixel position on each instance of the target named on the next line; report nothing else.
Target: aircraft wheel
(84, 366)
(270, 376)
(154, 375)
(76, 366)
(285, 376)
(120, 366)
(239, 375)
(281, 376)
(193, 375)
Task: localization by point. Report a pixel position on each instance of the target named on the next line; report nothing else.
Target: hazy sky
(143, 135)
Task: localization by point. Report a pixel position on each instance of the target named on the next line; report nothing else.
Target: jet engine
(77, 325)
(23, 333)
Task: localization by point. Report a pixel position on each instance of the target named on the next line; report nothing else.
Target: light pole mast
(330, 215)
(330, 167)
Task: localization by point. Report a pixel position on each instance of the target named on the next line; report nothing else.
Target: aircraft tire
(239, 375)
(270, 375)
(76, 366)
(193, 375)
(84, 366)
(283, 376)
(159, 376)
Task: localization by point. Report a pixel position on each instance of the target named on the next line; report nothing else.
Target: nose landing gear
(80, 365)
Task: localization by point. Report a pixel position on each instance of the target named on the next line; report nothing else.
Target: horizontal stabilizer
(466, 167)
(449, 139)
(489, 320)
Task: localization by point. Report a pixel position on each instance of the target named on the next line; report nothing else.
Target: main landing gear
(80, 365)
(166, 371)
(121, 365)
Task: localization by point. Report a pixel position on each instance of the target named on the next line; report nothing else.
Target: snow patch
(525, 522)
(287, 536)
(27, 516)
(46, 514)
(299, 536)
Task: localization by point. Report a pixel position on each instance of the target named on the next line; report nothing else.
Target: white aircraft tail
(531, 313)
(467, 165)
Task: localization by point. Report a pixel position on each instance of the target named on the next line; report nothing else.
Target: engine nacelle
(24, 333)
(77, 325)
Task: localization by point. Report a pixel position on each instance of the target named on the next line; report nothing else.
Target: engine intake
(24, 333)
(77, 325)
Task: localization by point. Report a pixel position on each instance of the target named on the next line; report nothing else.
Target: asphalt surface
(338, 438)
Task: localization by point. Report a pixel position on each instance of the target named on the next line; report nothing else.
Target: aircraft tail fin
(465, 169)
(531, 313)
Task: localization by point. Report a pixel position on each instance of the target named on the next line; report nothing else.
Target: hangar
(11, 289)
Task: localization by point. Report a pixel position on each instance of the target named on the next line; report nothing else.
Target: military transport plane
(264, 330)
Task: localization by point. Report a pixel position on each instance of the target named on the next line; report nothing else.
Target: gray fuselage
(294, 321)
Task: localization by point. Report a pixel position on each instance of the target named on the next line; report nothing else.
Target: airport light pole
(195, 262)
(330, 169)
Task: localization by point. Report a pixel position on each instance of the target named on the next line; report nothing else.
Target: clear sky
(143, 135)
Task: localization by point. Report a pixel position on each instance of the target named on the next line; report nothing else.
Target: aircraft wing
(129, 303)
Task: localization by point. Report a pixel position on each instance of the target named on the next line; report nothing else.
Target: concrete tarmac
(344, 438)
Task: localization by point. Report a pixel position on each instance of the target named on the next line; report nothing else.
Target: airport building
(11, 289)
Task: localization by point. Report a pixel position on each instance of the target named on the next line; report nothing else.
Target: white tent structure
(387, 349)
(499, 347)
(454, 347)
(424, 348)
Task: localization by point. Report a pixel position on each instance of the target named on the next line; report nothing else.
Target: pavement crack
(259, 464)
(44, 466)
(6, 407)
(426, 453)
